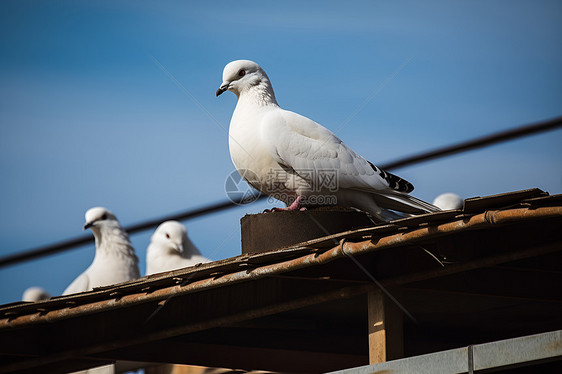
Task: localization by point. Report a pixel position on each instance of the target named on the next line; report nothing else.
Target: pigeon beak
(87, 225)
(179, 248)
(222, 88)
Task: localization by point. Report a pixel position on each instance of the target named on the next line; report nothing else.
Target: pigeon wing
(300, 144)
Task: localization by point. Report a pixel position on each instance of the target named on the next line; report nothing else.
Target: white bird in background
(115, 260)
(34, 294)
(296, 160)
(171, 249)
(448, 201)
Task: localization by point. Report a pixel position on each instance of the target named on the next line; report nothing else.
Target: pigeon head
(35, 294)
(241, 75)
(98, 216)
(170, 235)
(448, 201)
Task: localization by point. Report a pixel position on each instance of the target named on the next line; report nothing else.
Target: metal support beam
(541, 352)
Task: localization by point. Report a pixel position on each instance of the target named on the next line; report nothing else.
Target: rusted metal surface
(479, 221)
(412, 236)
(477, 204)
(111, 322)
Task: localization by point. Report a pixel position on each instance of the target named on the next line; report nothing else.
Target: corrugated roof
(517, 206)
(311, 260)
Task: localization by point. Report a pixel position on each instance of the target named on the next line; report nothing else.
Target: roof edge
(69, 306)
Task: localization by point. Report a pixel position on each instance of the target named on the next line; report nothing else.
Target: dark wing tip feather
(394, 181)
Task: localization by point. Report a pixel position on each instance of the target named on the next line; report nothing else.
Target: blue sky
(89, 117)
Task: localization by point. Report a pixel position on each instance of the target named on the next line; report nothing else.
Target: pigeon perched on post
(115, 260)
(171, 249)
(296, 160)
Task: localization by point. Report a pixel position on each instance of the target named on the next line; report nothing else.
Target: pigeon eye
(241, 73)
(104, 216)
(167, 235)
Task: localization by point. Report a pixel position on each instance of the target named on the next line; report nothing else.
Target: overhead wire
(472, 144)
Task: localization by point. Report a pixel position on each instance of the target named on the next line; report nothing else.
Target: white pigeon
(115, 260)
(294, 159)
(34, 294)
(448, 201)
(171, 249)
